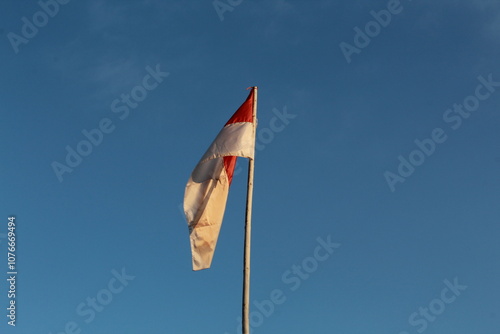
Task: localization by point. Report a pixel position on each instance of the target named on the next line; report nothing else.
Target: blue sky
(376, 182)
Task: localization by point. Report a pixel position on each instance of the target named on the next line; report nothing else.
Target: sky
(376, 191)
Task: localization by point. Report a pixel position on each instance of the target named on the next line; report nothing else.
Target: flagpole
(248, 231)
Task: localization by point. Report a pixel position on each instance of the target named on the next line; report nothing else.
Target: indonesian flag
(207, 189)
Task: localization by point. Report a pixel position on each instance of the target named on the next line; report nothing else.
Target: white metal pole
(248, 231)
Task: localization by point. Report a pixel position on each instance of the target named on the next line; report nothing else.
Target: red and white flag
(207, 189)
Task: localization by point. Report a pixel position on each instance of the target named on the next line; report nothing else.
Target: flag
(208, 186)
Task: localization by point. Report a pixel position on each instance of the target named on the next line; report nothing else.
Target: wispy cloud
(492, 28)
(103, 15)
(485, 4)
(88, 58)
(104, 72)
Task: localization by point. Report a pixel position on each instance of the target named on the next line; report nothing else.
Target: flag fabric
(208, 186)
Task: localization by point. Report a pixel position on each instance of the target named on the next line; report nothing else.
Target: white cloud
(492, 28)
(88, 62)
(485, 4)
(103, 15)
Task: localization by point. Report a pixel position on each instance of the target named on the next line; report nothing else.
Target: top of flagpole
(254, 111)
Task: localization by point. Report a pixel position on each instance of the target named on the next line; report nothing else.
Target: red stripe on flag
(244, 112)
(229, 164)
